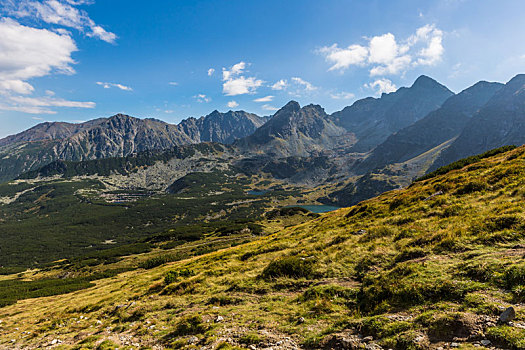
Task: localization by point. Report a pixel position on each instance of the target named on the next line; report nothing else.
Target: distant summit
(373, 120)
(500, 122)
(293, 131)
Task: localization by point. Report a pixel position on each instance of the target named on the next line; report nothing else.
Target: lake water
(257, 193)
(317, 208)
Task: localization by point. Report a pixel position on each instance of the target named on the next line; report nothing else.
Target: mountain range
(376, 144)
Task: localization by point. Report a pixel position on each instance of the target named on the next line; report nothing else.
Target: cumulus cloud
(342, 58)
(17, 86)
(306, 85)
(210, 72)
(173, 83)
(232, 104)
(382, 86)
(342, 95)
(116, 85)
(27, 53)
(280, 85)
(62, 13)
(264, 99)
(201, 98)
(235, 83)
(385, 55)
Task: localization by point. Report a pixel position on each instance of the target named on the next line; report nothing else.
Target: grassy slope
(410, 269)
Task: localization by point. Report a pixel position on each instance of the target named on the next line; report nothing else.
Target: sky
(75, 60)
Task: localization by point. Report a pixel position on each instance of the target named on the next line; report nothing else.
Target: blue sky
(74, 60)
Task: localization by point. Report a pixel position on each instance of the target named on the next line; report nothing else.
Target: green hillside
(430, 266)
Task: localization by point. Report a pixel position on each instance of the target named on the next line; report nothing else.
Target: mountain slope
(419, 268)
(500, 122)
(437, 127)
(294, 131)
(117, 136)
(222, 127)
(373, 120)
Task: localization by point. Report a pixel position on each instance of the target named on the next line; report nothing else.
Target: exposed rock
(434, 129)
(342, 341)
(295, 131)
(485, 342)
(372, 120)
(507, 315)
(193, 340)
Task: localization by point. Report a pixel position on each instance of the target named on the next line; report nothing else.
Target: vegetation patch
(291, 266)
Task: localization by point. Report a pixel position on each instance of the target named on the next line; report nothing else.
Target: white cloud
(237, 84)
(432, 40)
(241, 86)
(116, 85)
(102, 34)
(264, 99)
(50, 102)
(17, 86)
(62, 13)
(232, 104)
(306, 85)
(39, 105)
(201, 98)
(342, 95)
(384, 55)
(27, 53)
(236, 69)
(382, 86)
(210, 72)
(269, 108)
(280, 85)
(173, 83)
(341, 59)
(383, 49)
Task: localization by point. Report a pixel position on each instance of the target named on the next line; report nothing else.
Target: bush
(471, 187)
(410, 253)
(173, 276)
(290, 266)
(189, 325)
(499, 223)
(154, 262)
(514, 276)
(250, 339)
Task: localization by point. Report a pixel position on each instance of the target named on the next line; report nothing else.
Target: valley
(366, 228)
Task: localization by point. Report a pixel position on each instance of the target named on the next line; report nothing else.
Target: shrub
(250, 339)
(471, 187)
(514, 276)
(189, 325)
(173, 276)
(499, 223)
(512, 336)
(290, 266)
(154, 262)
(410, 253)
